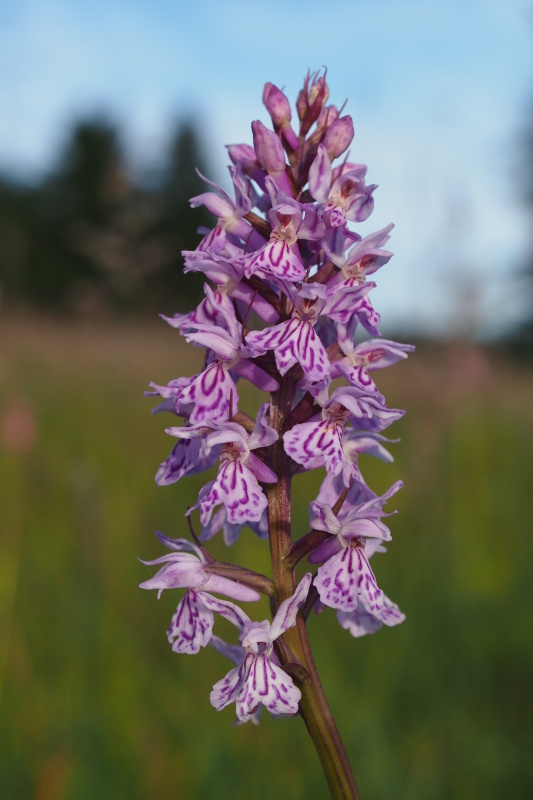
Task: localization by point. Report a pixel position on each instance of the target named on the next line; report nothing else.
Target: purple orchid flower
(230, 213)
(319, 442)
(212, 394)
(258, 680)
(236, 485)
(290, 221)
(346, 573)
(361, 359)
(344, 198)
(295, 340)
(192, 623)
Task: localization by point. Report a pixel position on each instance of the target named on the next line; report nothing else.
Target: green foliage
(95, 704)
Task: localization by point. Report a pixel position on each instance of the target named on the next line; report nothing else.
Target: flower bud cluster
(288, 282)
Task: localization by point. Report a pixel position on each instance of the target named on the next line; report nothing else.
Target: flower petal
(266, 684)
(191, 625)
(286, 614)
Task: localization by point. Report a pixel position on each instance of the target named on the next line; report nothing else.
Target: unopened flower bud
(327, 117)
(311, 100)
(244, 155)
(338, 137)
(268, 148)
(276, 104)
(279, 109)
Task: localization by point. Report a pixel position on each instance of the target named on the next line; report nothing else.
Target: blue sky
(438, 92)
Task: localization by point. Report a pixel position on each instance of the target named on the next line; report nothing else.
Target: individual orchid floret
(192, 623)
(346, 573)
(361, 359)
(290, 221)
(258, 680)
(361, 521)
(212, 394)
(279, 108)
(345, 198)
(206, 313)
(295, 341)
(270, 155)
(235, 654)
(244, 155)
(228, 276)
(319, 442)
(230, 213)
(338, 137)
(362, 621)
(236, 485)
(364, 258)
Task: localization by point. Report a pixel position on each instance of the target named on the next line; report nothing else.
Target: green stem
(314, 707)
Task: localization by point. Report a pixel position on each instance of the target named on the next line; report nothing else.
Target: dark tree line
(90, 238)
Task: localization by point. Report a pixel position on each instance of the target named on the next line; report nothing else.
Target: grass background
(93, 703)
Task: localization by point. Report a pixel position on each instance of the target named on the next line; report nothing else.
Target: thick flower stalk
(287, 295)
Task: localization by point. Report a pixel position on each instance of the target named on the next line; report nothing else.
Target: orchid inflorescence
(289, 290)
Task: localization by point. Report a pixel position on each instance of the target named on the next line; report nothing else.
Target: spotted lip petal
(237, 488)
(191, 625)
(345, 577)
(362, 621)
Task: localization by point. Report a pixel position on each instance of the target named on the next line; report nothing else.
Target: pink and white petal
(285, 616)
(214, 525)
(320, 174)
(269, 338)
(323, 518)
(180, 570)
(211, 392)
(287, 351)
(238, 490)
(380, 353)
(266, 684)
(188, 457)
(356, 375)
(344, 577)
(367, 316)
(215, 338)
(226, 609)
(367, 528)
(311, 354)
(216, 205)
(314, 444)
(359, 622)
(390, 614)
(227, 690)
(262, 434)
(366, 583)
(191, 625)
(336, 580)
(237, 591)
(279, 258)
(180, 545)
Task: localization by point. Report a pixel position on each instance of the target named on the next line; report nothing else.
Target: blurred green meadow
(93, 703)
